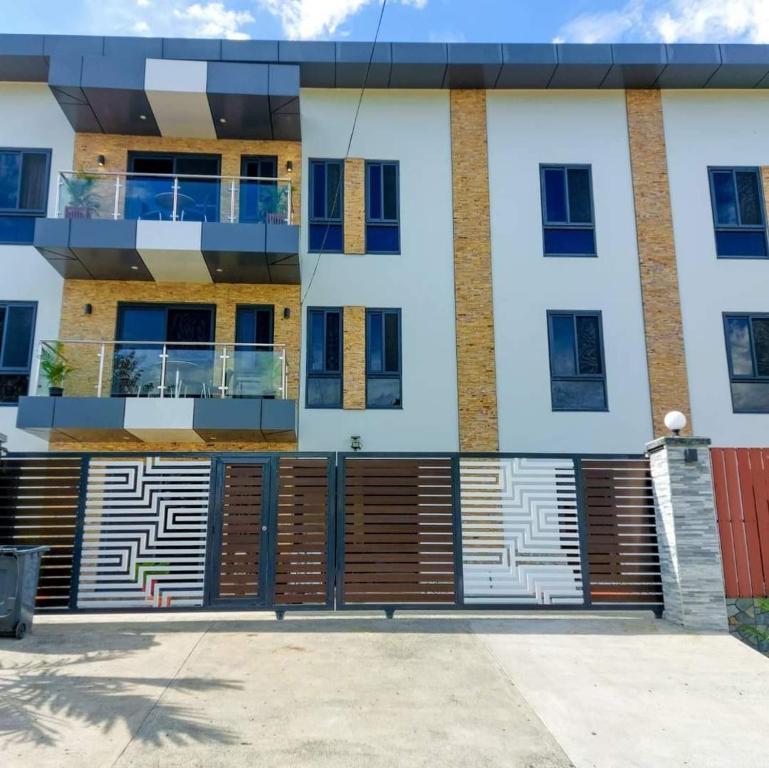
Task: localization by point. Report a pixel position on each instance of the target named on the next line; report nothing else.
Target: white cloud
(308, 19)
(168, 18)
(672, 21)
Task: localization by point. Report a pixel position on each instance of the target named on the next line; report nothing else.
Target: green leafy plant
(81, 191)
(273, 199)
(54, 366)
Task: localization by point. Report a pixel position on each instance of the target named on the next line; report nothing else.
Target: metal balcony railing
(162, 197)
(80, 368)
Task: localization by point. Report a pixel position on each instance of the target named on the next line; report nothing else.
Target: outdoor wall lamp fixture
(286, 313)
(290, 166)
(675, 421)
(355, 443)
(100, 160)
(88, 309)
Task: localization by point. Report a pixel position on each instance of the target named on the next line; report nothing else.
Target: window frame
(20, 214)
(575, 313)
(324, 221)
(546, 224)
(382, 221)
(712, 169)
(257, 308)
(166, 306)
(324, 374)
(17, 370)
(741, 377)
(385, 374)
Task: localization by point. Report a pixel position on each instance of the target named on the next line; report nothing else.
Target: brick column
(687, 530)
(354, 343)
(355, 206)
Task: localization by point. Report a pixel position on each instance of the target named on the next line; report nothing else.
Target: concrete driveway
(351, 690)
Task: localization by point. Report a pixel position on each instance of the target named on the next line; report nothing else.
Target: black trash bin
(19, 571)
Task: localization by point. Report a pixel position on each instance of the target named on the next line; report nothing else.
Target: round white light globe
(675, 421)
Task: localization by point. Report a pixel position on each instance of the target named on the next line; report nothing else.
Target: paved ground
(345, 690)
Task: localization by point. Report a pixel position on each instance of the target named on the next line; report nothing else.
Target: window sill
(570, 255)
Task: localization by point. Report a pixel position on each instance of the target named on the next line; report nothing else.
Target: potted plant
(273, 204)
(55, 368)
(82, 200)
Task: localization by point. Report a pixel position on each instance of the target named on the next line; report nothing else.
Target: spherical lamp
(675, 421)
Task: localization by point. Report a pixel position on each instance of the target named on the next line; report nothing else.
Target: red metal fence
(741, 483)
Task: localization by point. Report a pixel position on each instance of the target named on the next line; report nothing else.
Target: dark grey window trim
(739, 377)
(37, 212)
(575, 313)
(259, 308)
(388, 374)
(740, 227)
(165, 306)
(382, 221)
(19, 370)
(321, 220)
(567, 225)
(324, 375)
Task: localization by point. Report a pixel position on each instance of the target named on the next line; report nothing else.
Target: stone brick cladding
(354, 205)
(668, 383)
(687, 532)
(115, 148)
(476, 365)
(749, 621)
(104, 295)
(354, 329)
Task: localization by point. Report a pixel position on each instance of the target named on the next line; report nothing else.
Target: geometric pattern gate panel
(398, 534)
(144, 539)
(39, 498)
(302, 535)
(623, 558)
(520, 531)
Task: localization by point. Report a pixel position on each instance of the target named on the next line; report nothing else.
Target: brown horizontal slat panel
(241, 533)
(302, 535)
(38, 506)
(398, 531)
(623, 556)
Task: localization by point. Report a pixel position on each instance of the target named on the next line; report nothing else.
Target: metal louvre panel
(39, 499)
(520, 531)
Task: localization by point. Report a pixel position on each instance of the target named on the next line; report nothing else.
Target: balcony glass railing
(156, 369)
(157, 197)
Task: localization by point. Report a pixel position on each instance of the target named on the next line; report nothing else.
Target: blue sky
(415, 20)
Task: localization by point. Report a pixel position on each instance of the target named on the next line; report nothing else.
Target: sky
(579, 21)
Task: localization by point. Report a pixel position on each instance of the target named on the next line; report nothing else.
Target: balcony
(159, 392)
(198, 229)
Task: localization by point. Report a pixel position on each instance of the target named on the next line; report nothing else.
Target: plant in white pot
(55, 368)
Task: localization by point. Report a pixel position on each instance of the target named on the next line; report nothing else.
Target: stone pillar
(687, 530)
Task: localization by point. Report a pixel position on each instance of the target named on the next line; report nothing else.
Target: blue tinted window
(326, 205)
(17, 331)
(567, 211)
(577, 377)
(24, 177)
(10, 179)
(738, 213)
(382, 207)
(383, 358)
(747, 351)
(324, 358)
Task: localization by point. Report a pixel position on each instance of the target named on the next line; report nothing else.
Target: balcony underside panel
(166, 251)
(158, 420)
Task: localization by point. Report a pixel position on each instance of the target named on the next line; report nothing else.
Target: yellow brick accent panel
(354, 346)
(476, 366)
(668, 382)
(765, 185)
(354, 205)
(115, 148)
(104, 296)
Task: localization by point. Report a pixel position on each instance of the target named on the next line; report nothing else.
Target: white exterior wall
(31, 117)
(526, 129)
(411, 127)
(708, 128)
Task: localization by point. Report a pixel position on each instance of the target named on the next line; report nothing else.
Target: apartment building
(223, 246)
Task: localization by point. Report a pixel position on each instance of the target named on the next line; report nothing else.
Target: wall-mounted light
(286, 313)
(675, 421)
(355, 442)
(289, 166)
(88, 309)
(100, 160)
